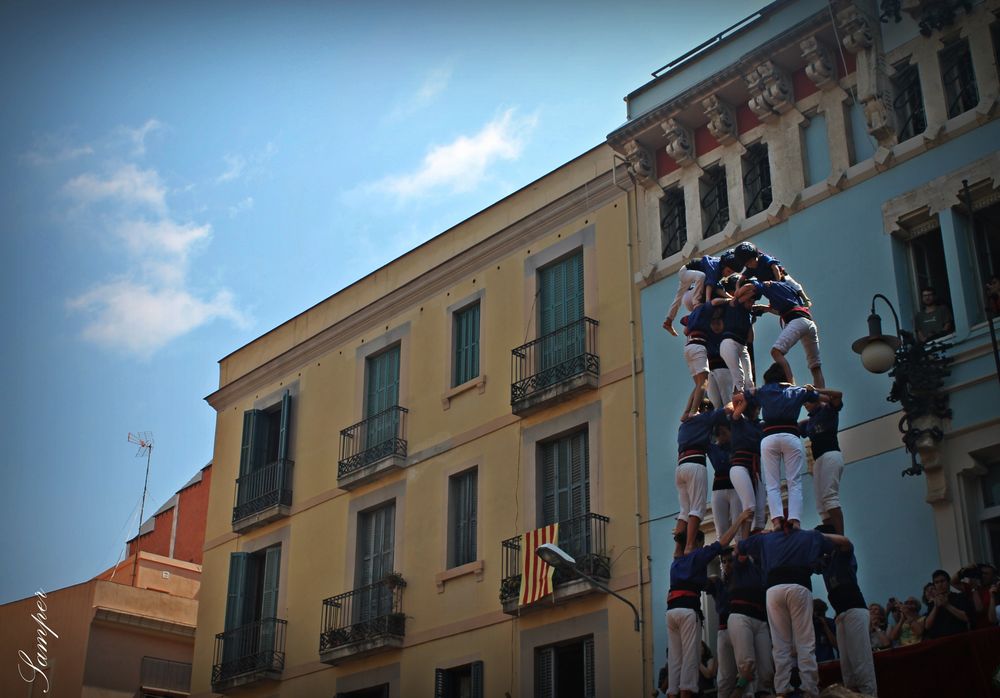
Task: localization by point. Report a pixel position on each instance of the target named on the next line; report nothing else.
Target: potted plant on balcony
(394, 580)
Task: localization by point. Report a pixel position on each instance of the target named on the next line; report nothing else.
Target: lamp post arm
(891, 308)
(605, 588)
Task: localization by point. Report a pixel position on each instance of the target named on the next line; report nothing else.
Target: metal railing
(959, 79)
(673, 223)
(554, 358)
(909, 103)
(584, 537)
(252, 648)
(757, 180)
(165, 675)
(715, 201)
(263, 488)
(372, 439)
(368, 613)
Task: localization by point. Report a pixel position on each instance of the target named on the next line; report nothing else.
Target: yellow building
(378, 456)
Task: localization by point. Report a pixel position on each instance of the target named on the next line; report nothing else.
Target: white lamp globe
(878, 356)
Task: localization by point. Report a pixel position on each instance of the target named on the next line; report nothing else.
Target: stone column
(860, 35)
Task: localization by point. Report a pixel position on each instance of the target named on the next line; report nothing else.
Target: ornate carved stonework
(770, 91)
(855, 29)
(640, 162)
(680, 142)
(820, 66)
(721, 119)
(881, 118)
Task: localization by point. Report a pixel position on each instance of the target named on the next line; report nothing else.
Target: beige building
(379, 456)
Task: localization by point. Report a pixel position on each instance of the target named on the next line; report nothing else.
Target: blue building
(837, 137)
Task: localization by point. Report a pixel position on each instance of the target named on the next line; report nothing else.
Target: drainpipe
(631, 204)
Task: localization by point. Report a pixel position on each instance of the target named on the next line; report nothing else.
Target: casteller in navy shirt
(780, 404)
(788, 557)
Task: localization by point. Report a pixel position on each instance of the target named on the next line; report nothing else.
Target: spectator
(950, 613)
(910, 628)
(974, 581)
(826, 632)
(706, 671)
(876, 630)
(935, 319)
(993, 296)
(927, 598)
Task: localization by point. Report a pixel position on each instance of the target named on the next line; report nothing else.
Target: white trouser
(696, 356)
(691, 480)
(751, 640)
(801, 330)
(827, 470)
(684, 645)
(725, 508)
(726, 676)
(690, 290)
(737, 358)
(854, 644)
(789, 613)
(743, 485)
(775, 449)
(720, 386)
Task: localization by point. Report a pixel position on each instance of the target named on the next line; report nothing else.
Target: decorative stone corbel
(721, 119)
(880, 118)
(836, 180)
(680, 142)
(770, 91)
(640, 162)
(855, 29)
(820, 66)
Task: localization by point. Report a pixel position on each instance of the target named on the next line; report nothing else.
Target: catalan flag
(536, 576)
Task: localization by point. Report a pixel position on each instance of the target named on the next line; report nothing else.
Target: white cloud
(162, 236)
(128, 184)
(138, 318)
(49, 153)
(246, 166)
(463, 164)
(242, 206)
(434, 83)
(137, 136)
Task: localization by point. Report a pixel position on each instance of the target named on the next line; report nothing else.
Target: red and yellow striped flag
(536, 576)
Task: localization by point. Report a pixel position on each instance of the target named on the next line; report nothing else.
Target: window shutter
(286, 415)
(269, 596)
(549, 512)
(254, 441)
(477, 680)
(579, 475)
(466, 357)
(441, 684)
(544, 673)
(589, 690)
(236, 596)
(473, 488)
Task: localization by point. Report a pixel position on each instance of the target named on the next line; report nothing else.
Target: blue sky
(180, 177)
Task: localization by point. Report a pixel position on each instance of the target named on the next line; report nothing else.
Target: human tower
(750, 433)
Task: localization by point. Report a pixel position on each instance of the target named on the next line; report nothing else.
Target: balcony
(250, 653)
(554, 367)
(163, 677)
(584, 537)
(372, 447)
(263, 495)
(364, 621)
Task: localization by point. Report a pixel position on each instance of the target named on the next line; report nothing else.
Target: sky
(178, 178)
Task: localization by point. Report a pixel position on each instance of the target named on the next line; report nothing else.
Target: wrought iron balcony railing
(254, 648)
(165, 675)
(372, 439)
(372, 612)
(263, 488)
(584, 537)
(554, 358)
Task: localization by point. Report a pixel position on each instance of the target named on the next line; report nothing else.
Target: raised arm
(728, 536)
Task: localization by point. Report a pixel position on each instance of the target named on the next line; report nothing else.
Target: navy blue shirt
(841, 576)
(691, 571)
(694, 434)
(720, 594)
(720, 464)
(780, 294)
(745, 435)
(700, 319)
(821, 427)
(781, 403)
(711, 268)
(787, 558)
(763, 271)
(747, 588)
(737, 321)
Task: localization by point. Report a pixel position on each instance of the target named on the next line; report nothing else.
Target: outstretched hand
(668, 325)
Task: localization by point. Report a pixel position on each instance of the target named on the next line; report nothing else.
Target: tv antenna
(144, 440)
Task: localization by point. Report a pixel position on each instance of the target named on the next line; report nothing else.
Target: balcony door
(381, 393)
(376, 538)
(561, 305)
(252, 606)
(566, 491)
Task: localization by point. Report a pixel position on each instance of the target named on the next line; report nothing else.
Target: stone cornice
(596, 193)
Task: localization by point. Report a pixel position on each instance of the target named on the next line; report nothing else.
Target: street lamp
(878, 351)
(557, 558)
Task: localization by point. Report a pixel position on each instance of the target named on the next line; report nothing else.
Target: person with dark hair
(825, 632)
(934, 320)
(697, 328)
(745, 434)
(719, 385)
(797, 327)
(690, 477)
(737, 331)
(781, 404)
(718, 589)
(828, 462)
(697, 282)
(789, 559)
(974, 581)
(763, 267)
(950, 613)
(707, 668)
(747, 626)
(851, 616)
(688, 578)
(725, 500)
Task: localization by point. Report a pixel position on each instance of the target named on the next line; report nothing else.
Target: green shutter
(254, 443)
(566, 490)
(269, 598)
(561, 304)
(382, 392)
(477, 680)
(466, 356)
(236, 596)
(589, 689)
(463, 518)
(545, 673)
(286, 415)
(549, 511)
(376, 536)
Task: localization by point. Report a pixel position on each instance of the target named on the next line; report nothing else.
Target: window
(466, 350)
(714, 200)
(561, 311)
(565, 670)
(462, 504)
(756, 179)
(673, 222)
(376, 539)
(461, 682)
(381, 395)
(381, 691)
(927, 265)
(565, 491)
(908, 102)
(264, 484)
(817, 150)
(958, 78)
(990, 514)
(252, 604)
(986, 245)
(265, 436)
